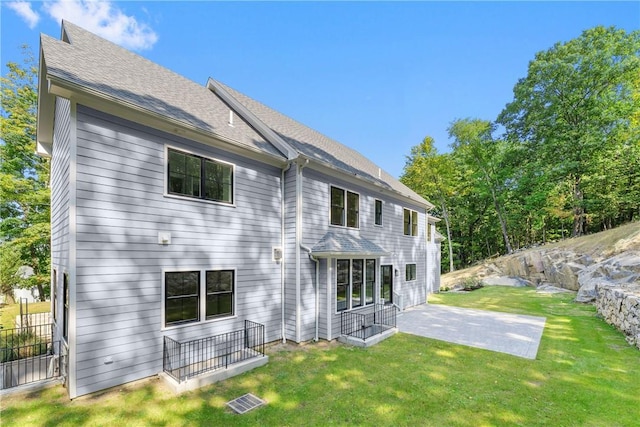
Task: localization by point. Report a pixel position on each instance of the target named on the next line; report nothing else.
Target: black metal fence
(28, 354)
(184, 360)
(364, 324)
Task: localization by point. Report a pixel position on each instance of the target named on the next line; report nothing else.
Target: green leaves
(568, 162)
(24, 194)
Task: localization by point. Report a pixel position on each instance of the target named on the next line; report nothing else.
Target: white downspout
(282, 243)
(317, 289)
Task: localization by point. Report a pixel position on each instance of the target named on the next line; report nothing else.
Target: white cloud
(105, 20)
(24, 10)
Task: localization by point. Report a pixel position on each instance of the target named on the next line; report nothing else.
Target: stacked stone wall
(620, 307)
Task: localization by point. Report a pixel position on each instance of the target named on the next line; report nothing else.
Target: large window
(355, 283)
(410, 222)
(54, 296)
(183, 290)
(199, 177)
(410, 272)
(345, 208)
(378, 212)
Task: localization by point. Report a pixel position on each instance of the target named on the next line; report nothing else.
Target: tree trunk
(578, 209)
(445, 214)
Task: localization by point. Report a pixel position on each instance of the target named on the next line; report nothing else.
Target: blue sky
(376, 76)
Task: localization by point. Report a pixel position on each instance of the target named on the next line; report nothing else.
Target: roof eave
(45, 109)
(333, 254)
(59, 86)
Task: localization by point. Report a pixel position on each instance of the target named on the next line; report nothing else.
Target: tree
(475, 145)
(430, 175)
(24, 194)
(575, 103)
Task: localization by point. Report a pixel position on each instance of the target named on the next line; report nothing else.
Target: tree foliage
(24, 193)
(568, 162)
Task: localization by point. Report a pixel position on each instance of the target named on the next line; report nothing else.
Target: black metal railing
(28, 354)
(366, 323)
(184, 360)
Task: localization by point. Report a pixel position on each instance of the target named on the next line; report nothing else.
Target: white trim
(411, 211)
(405, 272)
(345, 214)
(200, 154)
(73, 247)
(329, 304)
(202, 297)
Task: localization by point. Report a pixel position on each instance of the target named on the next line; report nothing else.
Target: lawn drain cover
(245, 403)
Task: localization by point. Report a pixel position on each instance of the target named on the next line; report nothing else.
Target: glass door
(386, 283)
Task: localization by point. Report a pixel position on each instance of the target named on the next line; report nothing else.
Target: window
(54, 296)
(410, 272)
(182, 296)
(345, 208)
(65, 305)
(410, 222)
(219, 293)
(199, 177)
(378, 212)
(355, 283)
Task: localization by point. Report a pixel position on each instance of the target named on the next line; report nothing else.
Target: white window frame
(415, 268)
(375, 202)
(345, 214)
(202, 155)
(413, 225)
(202, 297)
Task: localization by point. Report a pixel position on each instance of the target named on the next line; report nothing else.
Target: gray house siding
(390, 236)
(121, 207)
(290, 299)
(60, 177)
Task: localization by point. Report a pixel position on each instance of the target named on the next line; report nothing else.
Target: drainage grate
(245, 403)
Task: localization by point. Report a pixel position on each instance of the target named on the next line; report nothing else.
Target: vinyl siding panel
(290, 253)
(60, 179)
(121, 207)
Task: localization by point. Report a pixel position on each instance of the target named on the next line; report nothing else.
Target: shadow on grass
(577, 379)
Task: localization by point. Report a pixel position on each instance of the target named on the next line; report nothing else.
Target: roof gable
(318, 147)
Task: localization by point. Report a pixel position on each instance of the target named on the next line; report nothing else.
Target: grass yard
(585, 375)
(9, 312)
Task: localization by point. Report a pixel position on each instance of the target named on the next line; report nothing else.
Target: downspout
(282, 243)
(316, 287)
(298, 241)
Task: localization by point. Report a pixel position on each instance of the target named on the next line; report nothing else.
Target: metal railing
(184, 360)
(28, 354)
(364, 324)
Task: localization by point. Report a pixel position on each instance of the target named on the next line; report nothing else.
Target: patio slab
(514, 334)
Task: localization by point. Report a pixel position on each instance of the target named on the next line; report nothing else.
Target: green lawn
(9, 312)
(585, 375)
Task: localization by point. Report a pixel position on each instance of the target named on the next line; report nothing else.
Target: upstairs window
(378, 212)
(410, 222)
(199, 177)
(345, 208)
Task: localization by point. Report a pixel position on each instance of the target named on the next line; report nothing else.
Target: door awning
(335, 244)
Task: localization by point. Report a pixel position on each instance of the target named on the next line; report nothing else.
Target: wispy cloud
(24, 11)
(104, 19)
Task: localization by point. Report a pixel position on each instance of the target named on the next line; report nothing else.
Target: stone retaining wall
(620, 307)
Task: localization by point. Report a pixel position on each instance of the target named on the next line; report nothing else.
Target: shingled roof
(94, 65)
(107, 70)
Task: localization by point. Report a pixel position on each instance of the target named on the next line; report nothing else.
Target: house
(180, 211)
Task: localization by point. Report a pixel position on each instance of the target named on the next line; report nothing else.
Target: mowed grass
(9, 312)
(585, 375)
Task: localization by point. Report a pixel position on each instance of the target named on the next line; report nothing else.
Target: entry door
(386, 283)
